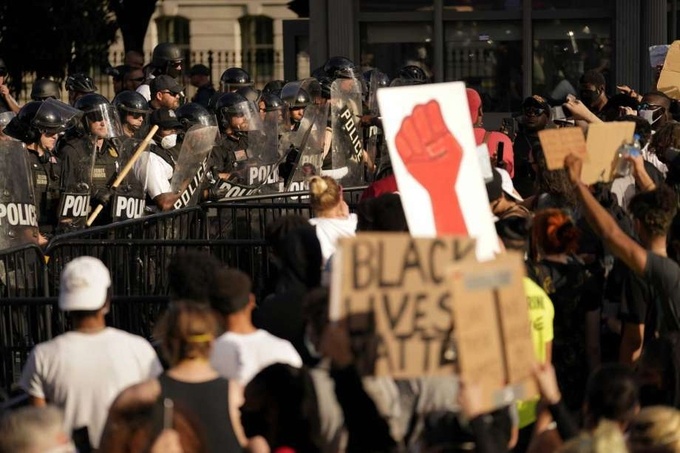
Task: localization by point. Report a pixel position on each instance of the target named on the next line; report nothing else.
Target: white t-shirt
(145, 90)
(329, 230)
(83, 373)
(153, 173)
(241, 356)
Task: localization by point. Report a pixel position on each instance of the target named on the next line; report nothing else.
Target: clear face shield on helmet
(102, 122)
(54, 116)
(244, 117)
(5, 118)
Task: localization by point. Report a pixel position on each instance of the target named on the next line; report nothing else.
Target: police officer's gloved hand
(286, 167)
(103, 196)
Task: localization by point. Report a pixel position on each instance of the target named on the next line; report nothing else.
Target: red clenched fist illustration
(433, 156)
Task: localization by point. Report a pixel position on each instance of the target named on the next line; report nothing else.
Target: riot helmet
(374, 76)
(271, 102)
(168, 58)
(81, 83)
(412, 75)
(340, 67)
(234, 78)
(45, 88)
(318, 73)
(101, 118)
(129, 101)
(326, 83)
(249, 93)
(20, 126)
(274, 87)
(225, 107)
(295, 96)
(192, 114)
(234, 108)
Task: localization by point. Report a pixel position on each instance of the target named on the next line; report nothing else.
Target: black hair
(612, 393)
(593, 77)
(191, 274)
(384, 213)
(231, 292)
(667, 100)
(279, 228)
(655, 209)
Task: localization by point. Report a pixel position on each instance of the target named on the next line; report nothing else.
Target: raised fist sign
(433, 156)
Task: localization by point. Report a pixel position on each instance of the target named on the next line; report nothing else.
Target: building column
(627, 48)
(318, 32)
(341, 23)
(654, 30)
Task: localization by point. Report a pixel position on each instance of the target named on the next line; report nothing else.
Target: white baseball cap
(84, 285)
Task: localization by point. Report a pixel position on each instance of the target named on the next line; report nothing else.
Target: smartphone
(499, 155)
(168, 409)
(558, 113)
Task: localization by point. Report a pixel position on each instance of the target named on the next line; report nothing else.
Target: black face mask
(253, 423)
(588, 97)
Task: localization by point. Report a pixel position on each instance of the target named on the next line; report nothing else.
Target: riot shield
(190, 170)
(313, 88)
(128, 201)
(18, 215)
(74, 205)
(378, 80)
(346, 147)
(305, 151)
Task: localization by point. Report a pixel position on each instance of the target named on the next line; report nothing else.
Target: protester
(243, 350)
(493, 140)
(82, 371)
(593, 91)
(7, 101)
(656, 429)
(34, 430)
(535, 118)
(332, 218)
(187, 332)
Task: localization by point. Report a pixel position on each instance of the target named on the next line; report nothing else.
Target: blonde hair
(324, 193)
(656, 427)
(186, 331)
(606, 438)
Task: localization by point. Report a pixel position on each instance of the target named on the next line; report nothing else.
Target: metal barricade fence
(137, 253)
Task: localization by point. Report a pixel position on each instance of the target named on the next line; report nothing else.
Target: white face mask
(169, 141)
(649, 116)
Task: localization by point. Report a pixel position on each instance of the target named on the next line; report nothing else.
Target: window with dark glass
(257, 44)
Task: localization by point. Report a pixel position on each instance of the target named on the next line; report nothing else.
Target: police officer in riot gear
(78, 85)
(192, 114)
(269, 102)
(132, 109)
(45, 89)
(233, 128)
(410, 75)
(249, 93)
(339, 67)
(166, 59)
(274, 87)
(296, 98)
(39, 125)
(101, 124)
(234, 78)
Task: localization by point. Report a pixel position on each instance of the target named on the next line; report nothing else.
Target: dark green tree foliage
(133, 18)
(53, 37)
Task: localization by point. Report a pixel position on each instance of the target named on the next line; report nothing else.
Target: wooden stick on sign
(126, 169)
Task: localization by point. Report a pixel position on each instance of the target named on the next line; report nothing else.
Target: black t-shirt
(663, 274)
(639, 303)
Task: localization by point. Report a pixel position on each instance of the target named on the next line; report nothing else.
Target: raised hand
(433, 157)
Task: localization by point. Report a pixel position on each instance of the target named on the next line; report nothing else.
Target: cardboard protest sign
(434, 156)
(559, 143)
(390, 291)
(492, 331)
(603, 142)
(669, 80)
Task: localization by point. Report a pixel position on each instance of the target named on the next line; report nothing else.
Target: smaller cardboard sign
(492, 331)
(603, 143)
(390, 290)
(559, 143)
(669, 80)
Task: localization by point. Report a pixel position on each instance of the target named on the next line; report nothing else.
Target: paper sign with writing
(390, 290)
(559, 143)
(669, 80)
(603, 142)
(492, 331)
(434, 156)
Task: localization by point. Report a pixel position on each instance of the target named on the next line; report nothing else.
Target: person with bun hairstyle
(564, 277)
(332, 218)
(656, 428)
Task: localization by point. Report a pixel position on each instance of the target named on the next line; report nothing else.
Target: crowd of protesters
(227, 373)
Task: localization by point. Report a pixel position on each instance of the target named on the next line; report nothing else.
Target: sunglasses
(135, 115)
(170, 93)
(647, 106)
(534, 111)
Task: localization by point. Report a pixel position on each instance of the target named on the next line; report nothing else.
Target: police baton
(126, 169)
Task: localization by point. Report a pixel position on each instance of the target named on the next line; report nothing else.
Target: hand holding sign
(424, 140)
